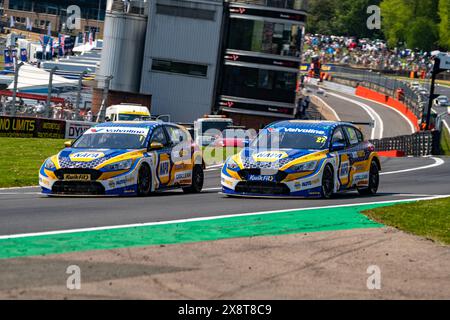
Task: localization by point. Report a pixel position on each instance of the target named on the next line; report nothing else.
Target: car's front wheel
(144, 182)
(327, 183)
(374, 181)
(197, 180)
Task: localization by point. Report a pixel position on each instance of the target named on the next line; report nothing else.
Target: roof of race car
(304, 124)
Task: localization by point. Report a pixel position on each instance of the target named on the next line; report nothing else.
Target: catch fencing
(422, 143)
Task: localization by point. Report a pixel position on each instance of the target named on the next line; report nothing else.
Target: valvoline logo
(269, 156)
(86, 156)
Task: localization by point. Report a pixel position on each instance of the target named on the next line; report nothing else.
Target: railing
(423, 143)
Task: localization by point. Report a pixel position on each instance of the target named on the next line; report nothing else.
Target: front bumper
(307, 187)
(53, 183)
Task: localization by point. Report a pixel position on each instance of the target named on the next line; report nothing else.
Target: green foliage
(444, 24)
(344, 17)
(422, 24)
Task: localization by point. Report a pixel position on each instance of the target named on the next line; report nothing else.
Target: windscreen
(131, 117)
(112, 138)
(291, 139)
(217, 125)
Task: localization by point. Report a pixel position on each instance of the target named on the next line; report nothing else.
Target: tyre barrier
(419, 144)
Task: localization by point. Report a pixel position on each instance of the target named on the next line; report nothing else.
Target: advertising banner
(23, 55)
(75, 129)
(22, 127)
(8, 59)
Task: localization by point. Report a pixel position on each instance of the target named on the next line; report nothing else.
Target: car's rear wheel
(197, 180)
(374, 181)
(144, 181)
(327, 182)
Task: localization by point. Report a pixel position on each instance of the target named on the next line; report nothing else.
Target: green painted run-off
(277, 223)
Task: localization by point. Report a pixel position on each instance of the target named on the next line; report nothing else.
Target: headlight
(307, 166)
(231, 164)
(49, 164)
(121, 165)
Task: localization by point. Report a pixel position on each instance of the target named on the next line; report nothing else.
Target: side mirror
(68, 144)
(156, 146)
(337, 146)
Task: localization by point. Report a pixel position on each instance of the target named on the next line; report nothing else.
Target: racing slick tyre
(144, 181)
(197, 180)
(374, 181)
(327, 183)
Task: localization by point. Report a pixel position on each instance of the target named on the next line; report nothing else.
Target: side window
(159, 136)
(352, 136)
(338, 136)
(176, 135)
(360, 136)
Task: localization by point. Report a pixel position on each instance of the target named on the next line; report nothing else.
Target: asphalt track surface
(25, 210)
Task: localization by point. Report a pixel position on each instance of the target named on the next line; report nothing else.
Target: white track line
(372, 114)
(18, 188)
(437, 162)
(446, 125)
(329, 107)
(25, 235)
(411, 125)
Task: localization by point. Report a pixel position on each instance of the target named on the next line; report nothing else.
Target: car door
(343, 161)
(163, 167)
(358, 155)
(181, 155)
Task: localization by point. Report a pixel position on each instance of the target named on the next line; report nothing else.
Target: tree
(444, 24)
(411, 21)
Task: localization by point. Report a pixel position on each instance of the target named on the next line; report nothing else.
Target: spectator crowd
(365, 53)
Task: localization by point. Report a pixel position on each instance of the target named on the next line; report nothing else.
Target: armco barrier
(25, 127)
(422, 143)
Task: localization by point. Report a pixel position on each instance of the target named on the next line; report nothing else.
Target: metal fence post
(17, 67)
(48, 108)
(102, 113)
(80, 87)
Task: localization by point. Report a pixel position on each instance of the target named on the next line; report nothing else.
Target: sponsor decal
(86, 156)
(227, 182)
(261, 178)
(306, 184)
(121, 130)
(164, 169)
(344, 169)
(183, 175)
(303, 130)
(269, 156)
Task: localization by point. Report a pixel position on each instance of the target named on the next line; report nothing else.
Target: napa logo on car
(86, 156)
(269, 156)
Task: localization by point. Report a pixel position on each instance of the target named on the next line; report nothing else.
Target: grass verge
(21, 158)
(445, 142)
(430, 219)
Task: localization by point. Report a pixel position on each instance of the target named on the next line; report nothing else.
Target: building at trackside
(52, 14)
(262, 43)
(239, 58)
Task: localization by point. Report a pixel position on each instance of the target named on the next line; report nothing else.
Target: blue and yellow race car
(303, 159)
(125, 158)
